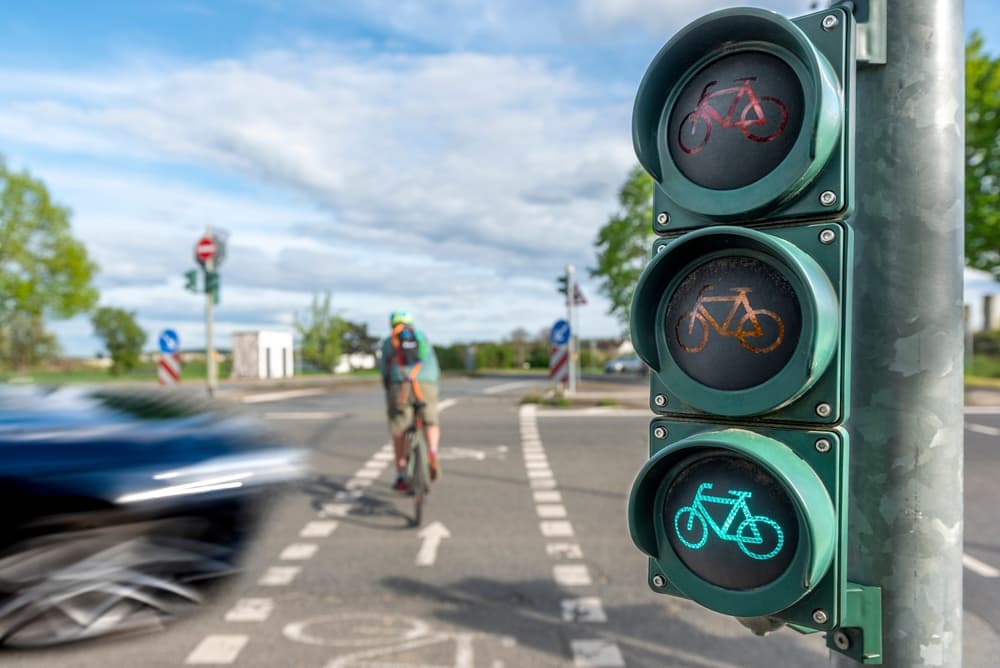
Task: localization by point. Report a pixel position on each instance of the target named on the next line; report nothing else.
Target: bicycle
(701, 315)
(417, 473)
(751, 115)
(748, 531)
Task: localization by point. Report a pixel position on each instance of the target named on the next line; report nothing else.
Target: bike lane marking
(217, 650)
(554, 523)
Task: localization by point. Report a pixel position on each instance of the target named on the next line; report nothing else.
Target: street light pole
(571, 347)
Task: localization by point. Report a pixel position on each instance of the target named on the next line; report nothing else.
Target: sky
(449, 157)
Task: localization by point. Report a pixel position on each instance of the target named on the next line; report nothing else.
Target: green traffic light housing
(746, 523)
(744, 115)
(737, 322)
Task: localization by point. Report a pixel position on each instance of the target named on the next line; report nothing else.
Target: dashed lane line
(264, 397)
(217, 650)
(982, 429)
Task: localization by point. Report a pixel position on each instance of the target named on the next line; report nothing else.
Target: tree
(122, 336)
(624, 243)
(355, 338)
(44, 271)
(982, 157)
(320, 330)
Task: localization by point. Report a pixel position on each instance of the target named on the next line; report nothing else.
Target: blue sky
(449, 157)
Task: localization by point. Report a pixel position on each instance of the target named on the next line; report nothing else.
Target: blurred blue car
(119, 510)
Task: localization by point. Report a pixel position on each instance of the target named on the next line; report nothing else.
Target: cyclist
(410, 376)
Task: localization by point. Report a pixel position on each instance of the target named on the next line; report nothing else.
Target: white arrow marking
(431, 535)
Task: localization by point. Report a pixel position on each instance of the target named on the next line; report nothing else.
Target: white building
(263, 354)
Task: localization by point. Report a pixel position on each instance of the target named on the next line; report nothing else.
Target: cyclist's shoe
(400, 485)
(433, 466)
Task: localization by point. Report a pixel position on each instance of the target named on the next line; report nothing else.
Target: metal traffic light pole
(906, 468)
(210, 370)
(572, 329)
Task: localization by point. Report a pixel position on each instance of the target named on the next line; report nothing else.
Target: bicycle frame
(743, 91)
(739, 503)
(740, 299)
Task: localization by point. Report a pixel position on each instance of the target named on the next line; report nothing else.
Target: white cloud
(664, 17)
(457, 184)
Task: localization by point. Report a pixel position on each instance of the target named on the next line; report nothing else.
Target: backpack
(404, 340)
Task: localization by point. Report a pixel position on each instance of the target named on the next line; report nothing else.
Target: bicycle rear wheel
(420, 479)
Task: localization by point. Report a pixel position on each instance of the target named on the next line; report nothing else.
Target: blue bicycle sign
(759, 537)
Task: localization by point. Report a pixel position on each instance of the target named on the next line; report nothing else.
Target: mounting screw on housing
(830, 22)
(663, 218)
(824, 410)
(823, 445)
(841, 640)
(660, 400)
(820, 616)
(660, 432)
(827, 236)
(659, 581)
(828, 198)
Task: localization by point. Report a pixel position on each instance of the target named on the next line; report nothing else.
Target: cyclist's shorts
(401, 415)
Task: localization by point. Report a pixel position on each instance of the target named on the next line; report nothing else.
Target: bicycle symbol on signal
(693, 522)
(751, 115)
(700, 316)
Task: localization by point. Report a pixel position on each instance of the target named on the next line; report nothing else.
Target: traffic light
(745, 122)
(563, 284)
(191, 280)
(212, 285)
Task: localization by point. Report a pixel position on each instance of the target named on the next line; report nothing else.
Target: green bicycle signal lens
(730, 522)
(733, 323)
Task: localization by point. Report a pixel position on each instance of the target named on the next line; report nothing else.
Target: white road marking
(547, 497)
(983, 429)
(447, 403)
(355, 484)
(571, 575)
(540, 473)
(550, 511)
(585, 609)
(318, 529)
(496, 389)
(596, 654)
(299, 552)
(369, 473)
(335, 510)
(217, 649)
(535, 456)
(431, 537)
(281, 396)
(353, 494)
(556, 528)
(537, 466)
(542, 483)
(564, 550)
(979, 567)
(384, 456)
(982, 410)
(302, 415)
(251, 610)
(278, 576)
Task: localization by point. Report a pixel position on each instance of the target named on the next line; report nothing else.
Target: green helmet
(400, 316)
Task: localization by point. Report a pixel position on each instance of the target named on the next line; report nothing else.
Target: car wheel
(72, 585)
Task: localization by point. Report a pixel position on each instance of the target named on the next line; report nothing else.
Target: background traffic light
(212, 285)
(563, 284)
(745, 121)
(191, 280)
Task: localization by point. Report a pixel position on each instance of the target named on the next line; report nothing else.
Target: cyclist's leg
(400, 413)
(432, 428)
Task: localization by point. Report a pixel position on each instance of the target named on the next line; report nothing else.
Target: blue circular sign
(169, 342)
(560, 333)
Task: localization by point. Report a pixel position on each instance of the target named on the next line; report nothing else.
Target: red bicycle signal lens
(735, 120)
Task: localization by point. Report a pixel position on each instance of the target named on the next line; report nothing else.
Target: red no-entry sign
(205, 249)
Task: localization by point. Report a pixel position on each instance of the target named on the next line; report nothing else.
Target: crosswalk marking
(217, 649)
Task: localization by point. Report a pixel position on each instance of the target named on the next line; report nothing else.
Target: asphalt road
(524, 559)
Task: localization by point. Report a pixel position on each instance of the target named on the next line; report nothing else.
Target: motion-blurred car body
(626, 364)
(118, 511)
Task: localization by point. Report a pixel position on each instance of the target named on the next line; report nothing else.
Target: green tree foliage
(44, 271)
(624, 243)
(122, 336)
(355, 338)
(982, 157)
(320, 331)
(451, 358)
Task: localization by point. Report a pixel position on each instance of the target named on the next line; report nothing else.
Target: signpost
(559, 365)
(209, 251)
(169, 363)
(745, 121)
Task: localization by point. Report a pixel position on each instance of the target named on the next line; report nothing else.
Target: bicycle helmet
(400, 316)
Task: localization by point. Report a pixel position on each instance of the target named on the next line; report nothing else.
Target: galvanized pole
(210, 371)
(907, 421)
(571, 349)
